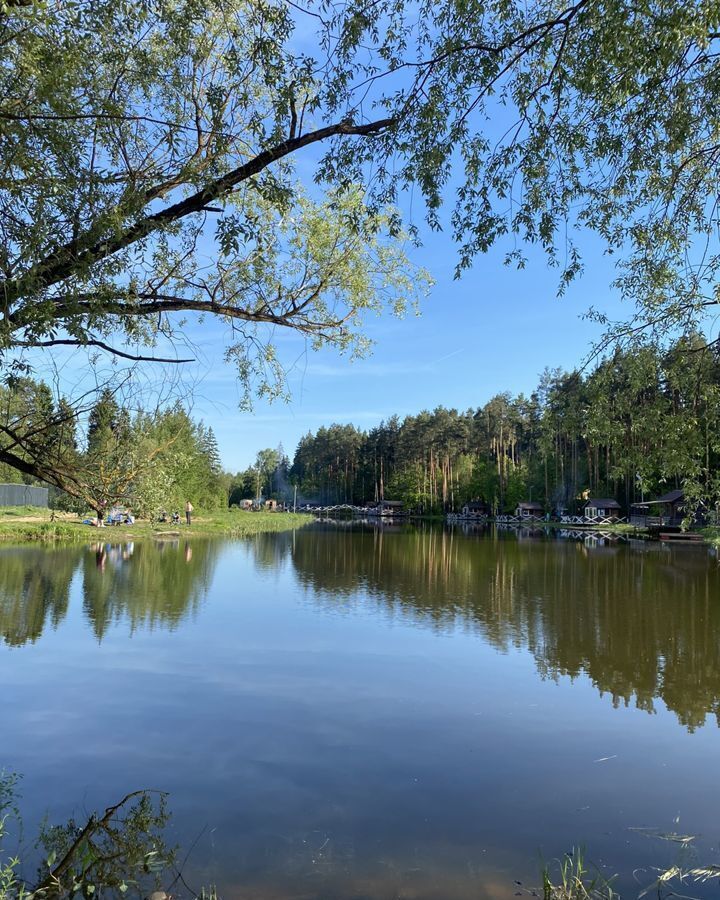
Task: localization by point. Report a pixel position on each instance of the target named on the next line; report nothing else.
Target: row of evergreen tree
(642, 423)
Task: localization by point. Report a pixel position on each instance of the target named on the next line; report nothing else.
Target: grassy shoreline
(711, 533)
(21, 525)
(30, 524)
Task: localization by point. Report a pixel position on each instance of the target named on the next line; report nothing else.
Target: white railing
(592, 520)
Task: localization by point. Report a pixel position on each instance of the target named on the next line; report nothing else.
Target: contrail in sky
(447, 356)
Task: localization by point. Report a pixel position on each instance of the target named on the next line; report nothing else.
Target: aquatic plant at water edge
(116, 851)
(574, 880)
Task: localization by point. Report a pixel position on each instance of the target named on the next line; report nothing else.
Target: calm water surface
(360, 713)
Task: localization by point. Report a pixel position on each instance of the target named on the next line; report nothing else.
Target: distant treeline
(642, 423)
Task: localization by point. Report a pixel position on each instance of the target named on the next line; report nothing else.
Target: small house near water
(530, 510)
(602, 508)
(668, 510)
(475, 509)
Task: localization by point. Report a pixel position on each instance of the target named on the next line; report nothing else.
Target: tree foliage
(642, 423)
(156, 160)
(148, 461)
(113, 172)
(161, 177)
(121, 848)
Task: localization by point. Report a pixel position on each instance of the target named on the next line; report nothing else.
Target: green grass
(13, 512)
(572, 879)
(711, 534)
(68, 528)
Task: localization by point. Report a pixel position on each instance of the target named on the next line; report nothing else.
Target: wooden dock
(681, 537)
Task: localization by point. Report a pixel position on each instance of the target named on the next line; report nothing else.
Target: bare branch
(94, 342)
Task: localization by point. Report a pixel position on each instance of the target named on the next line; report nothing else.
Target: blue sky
(494, 330)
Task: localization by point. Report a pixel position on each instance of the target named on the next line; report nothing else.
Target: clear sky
(494, 330)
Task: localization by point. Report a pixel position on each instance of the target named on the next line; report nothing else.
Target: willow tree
(151, 156)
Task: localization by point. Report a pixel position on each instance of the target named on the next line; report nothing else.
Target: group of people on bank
(117, 516)
(175, 518)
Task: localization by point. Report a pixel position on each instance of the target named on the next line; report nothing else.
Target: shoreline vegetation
(30, 524)
(711, 534)
(23, 524)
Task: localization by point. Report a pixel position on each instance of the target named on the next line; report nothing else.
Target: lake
(373, 712)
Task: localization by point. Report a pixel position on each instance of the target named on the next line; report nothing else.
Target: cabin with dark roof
(666, 510)
(530, 510)
(475, 509)
(602, 508)
(671, 505)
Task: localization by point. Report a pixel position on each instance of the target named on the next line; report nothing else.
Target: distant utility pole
(295, 500)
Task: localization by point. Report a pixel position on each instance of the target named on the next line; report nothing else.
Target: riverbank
(614, 528)
(23, 524)
(711, 534)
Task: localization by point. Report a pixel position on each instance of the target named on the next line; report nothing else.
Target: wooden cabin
(666, 510)
(602, 508)
(246, 504)
(475, 509)
(671, 506)
(271, 505)
(530, 510)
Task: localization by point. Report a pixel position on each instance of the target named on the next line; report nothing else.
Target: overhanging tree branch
(88, 248)
(69, 342)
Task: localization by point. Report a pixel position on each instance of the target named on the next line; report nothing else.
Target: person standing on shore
(188, 511)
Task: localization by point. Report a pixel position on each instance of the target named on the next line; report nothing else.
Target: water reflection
(150, 585)
(351, 713)
(640, 620)
(34, 590)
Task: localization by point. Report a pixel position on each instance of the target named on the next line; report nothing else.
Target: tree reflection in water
(148, 584)
(34, 590)
(640, 621)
